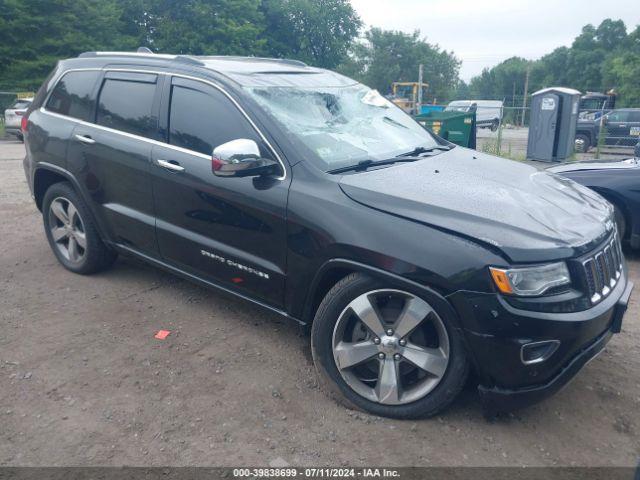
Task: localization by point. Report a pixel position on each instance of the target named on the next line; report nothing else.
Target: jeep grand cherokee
(300, 190)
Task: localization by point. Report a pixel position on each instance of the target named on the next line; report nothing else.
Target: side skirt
(200, 281)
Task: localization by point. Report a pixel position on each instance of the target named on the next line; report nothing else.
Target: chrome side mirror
(241, 158)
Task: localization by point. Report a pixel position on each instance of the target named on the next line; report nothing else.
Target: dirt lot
(84, 382)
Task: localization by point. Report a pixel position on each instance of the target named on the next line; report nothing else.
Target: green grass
(1, 129)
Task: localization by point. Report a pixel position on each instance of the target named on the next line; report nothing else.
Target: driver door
(226, 230)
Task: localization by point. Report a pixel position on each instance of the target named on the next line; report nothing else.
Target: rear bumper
(16, 131)
(506, 383)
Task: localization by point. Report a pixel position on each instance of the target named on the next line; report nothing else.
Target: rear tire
(494, 125)
(72, 233)
(362, 383)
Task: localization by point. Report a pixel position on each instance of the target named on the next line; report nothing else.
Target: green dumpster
(456, 127)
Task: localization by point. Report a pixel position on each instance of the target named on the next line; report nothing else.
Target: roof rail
(287, 61)
(143, 53)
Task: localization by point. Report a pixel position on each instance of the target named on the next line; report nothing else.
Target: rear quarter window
(73, 95)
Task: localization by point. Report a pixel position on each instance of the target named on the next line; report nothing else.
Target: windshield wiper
(364, 164)
(421, 150)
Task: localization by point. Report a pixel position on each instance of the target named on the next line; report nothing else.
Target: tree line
(600, 59)
(324, 33)
(34, 34)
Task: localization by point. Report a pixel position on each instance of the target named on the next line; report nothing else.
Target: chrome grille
(602, 269)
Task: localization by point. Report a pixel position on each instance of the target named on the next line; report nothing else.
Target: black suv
(302, 191)
(621, 128)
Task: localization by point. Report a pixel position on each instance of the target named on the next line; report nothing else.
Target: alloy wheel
(67, 230)
(390, 347)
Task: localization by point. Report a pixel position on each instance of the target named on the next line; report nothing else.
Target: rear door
(111, 157)
(230, 231)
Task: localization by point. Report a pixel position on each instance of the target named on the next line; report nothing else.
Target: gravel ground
(84, 382)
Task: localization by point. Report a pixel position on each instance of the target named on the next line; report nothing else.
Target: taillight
(18, 113)
(24, 122)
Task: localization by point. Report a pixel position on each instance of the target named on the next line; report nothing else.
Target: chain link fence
(597, 136)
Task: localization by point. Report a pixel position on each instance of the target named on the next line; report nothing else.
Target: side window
(200, 120)
(72, 96)
(127, 105)
(634, 116)
(618, 116)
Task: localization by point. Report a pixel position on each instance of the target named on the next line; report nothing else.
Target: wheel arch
(334, 270)
(45, 175)
(617, 200)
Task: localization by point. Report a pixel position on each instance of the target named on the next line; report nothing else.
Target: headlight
(530, 281)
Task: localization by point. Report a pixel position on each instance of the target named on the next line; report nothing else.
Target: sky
(482, 33)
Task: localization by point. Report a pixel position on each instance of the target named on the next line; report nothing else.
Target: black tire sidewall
(586, 144)
(322, 338)
(620, 221)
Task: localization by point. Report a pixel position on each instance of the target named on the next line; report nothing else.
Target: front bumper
(495, 332)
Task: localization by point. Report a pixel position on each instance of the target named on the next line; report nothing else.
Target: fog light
(538, 352)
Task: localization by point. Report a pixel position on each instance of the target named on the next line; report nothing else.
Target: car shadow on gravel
(254, 317)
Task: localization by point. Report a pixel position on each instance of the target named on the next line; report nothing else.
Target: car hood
(595, 165)
(527, 214)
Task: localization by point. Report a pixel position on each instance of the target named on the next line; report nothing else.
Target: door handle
(622, 126)
(173, 165)
(85, 139)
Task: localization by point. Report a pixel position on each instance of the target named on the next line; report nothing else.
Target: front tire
(582, 143)
(386, 351)
(621, 223)
(72, 233)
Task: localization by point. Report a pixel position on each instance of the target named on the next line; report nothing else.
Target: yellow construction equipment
(405, 95)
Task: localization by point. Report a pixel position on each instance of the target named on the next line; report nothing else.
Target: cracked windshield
(343, 126)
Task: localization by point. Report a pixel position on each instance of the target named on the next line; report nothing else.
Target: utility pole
(524, 99)
(419, 104)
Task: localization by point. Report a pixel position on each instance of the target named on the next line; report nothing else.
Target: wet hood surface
(595, 165)
(529, 215)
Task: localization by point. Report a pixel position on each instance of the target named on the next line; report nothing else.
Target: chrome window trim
(124, 134)
(157, 142)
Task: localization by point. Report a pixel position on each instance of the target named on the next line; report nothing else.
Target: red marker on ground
(162, 334)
